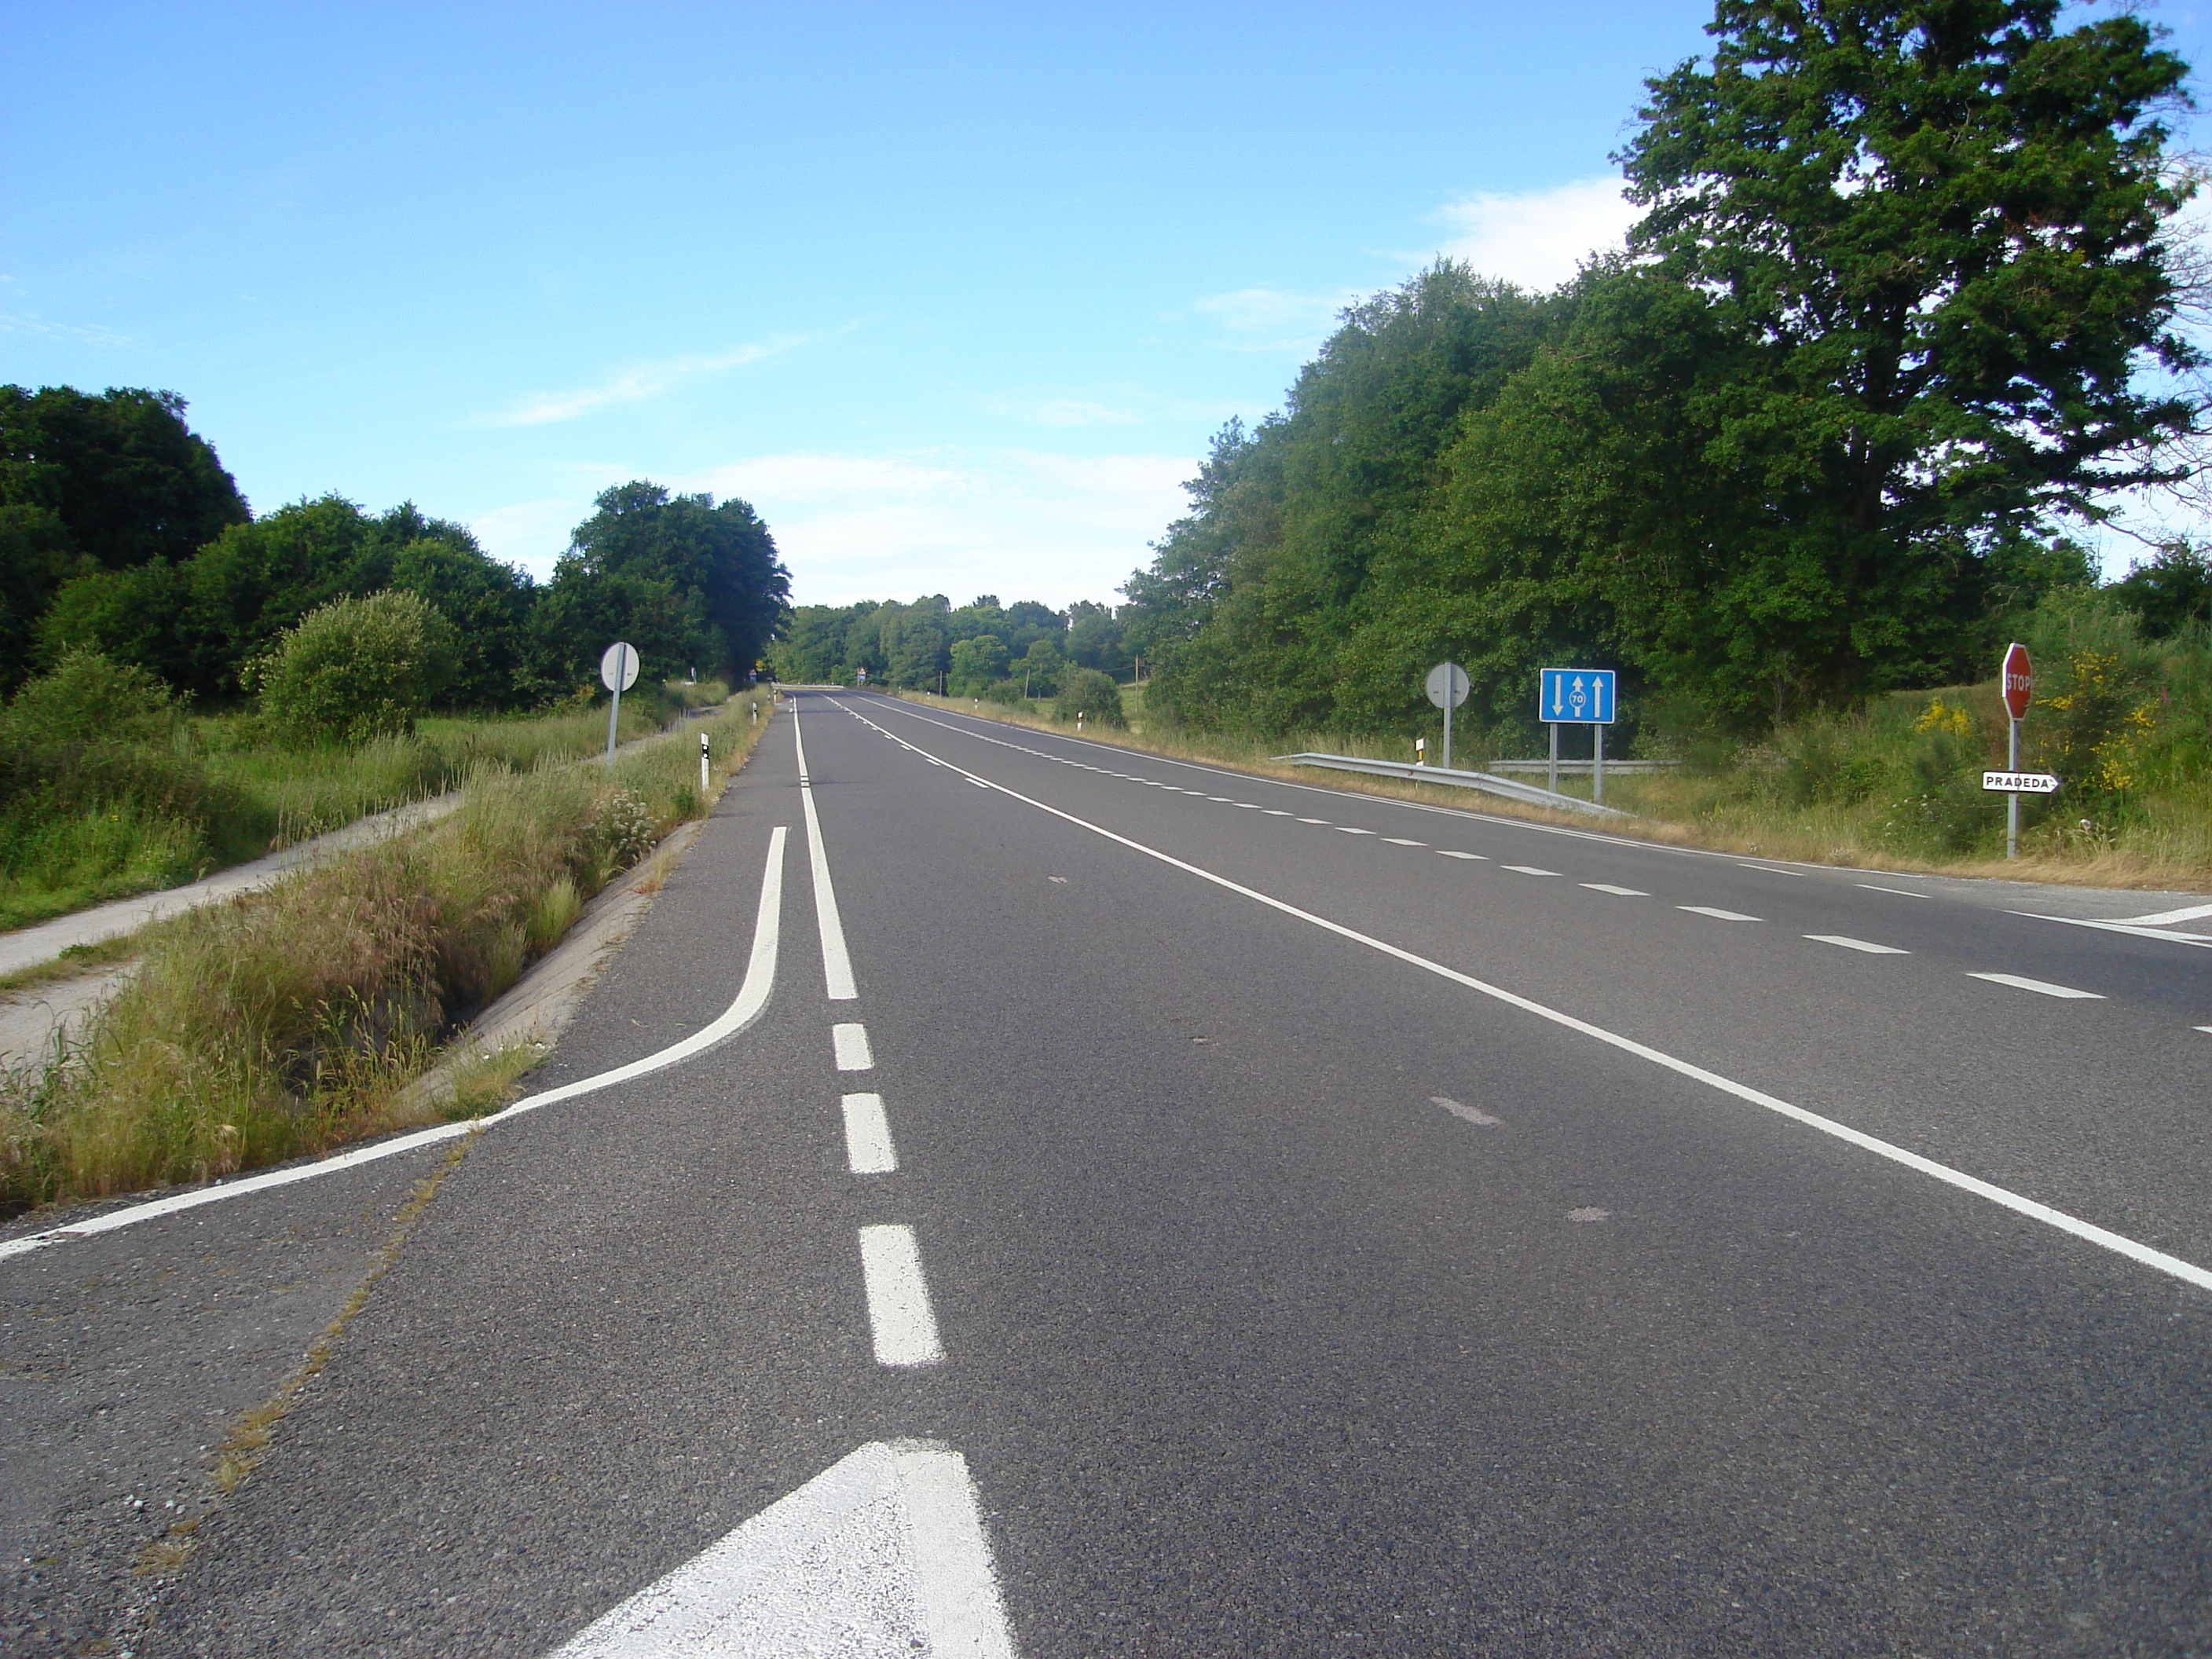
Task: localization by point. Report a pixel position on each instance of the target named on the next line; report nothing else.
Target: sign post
(2018, 692)
(1448, 686)
(1576, 696)
(617, 673)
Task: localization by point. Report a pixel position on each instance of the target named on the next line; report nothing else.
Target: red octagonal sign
(2019, 681)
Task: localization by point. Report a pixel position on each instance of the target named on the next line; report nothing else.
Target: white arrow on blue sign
(1575, 697)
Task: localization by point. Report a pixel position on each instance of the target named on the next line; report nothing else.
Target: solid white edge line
(2163, 918)
(900, 1319)
(752, 997)
(836, 964)
(2089, 1232)
(961, 1613)
(868, 1149)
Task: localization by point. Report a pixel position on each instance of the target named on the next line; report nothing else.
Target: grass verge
(291, 1020)
(1896, 786)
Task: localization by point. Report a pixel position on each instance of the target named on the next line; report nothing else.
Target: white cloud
(1023, 524)
(1536, 238)
(1272, 319)
(645, 380)
(17, 323)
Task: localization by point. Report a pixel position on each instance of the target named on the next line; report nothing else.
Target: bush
(357, 669)
(1087, 691)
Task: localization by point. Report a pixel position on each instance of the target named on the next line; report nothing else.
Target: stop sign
(2019, 680)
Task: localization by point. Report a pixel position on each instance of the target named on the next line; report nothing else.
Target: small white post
(702, 766)
(1554, 725)
(1448, 688)
(1597, 766)
(1420, 751)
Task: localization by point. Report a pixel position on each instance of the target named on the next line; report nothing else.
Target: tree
(2171, 592)
(688, 583)
(357, 669)
(1935, 232)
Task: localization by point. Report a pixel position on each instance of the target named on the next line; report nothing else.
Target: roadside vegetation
(293, 1019)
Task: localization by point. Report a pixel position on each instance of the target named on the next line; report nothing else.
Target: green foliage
(1087, 691)
(690, 584)
(358, 669)
(1813, 442)
(2171, 593)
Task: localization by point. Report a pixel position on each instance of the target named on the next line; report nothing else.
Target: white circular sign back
(621, 658)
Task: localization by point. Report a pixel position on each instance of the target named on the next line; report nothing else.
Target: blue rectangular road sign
(1575, 697)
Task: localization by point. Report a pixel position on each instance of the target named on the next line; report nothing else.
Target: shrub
(357, 669)
(1087, 691)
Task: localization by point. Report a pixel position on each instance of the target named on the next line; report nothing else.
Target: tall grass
(153, 808)
(289, 1020)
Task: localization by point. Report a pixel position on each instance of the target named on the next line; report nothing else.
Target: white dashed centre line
(1278, 811)
(1858, 945)
(1716, 914)
(852, 1045)
(1901, 891)
(868, 1148)
(1323, 822)
(2203, 1028)
(1447, 853)
(2040, 987)
(1248, 805)
(1527, 870)
(1224, 799)
(1399, 840)
(899, 1314)
(1617, 892)
(1346, 829)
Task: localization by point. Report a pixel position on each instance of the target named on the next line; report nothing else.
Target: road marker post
(702, 766)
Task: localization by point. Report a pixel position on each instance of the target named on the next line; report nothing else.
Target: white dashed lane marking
(1901, 891)
(1617, 892)
(1716, 914)
(868, 1149)
(1447, 853)
(852, 1046)
(900, 1318)
(1399, 840)
(1858, 945)
(1323, 822)
(1468, 1114)
(2042, 988)
(1527, 870)
(1345, 828)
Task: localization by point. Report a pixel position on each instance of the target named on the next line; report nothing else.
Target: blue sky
(955, 295)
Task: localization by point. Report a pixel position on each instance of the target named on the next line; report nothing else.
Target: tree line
(1899, 314)
(1026, 649)
(121, 533)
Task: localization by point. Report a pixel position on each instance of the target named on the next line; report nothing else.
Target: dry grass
(2171, 847)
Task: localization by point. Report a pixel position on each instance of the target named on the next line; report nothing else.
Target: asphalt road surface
(1158, 1211)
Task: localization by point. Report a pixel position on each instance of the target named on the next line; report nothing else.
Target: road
(1160, 1211)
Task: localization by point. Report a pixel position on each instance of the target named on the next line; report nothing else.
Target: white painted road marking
(1323, 822)
(851, 1043)
(1717, 914)
(1527, 870)
(1278, 811)
(868, 1149)
(837, 964)
(882, 1553)
(1345, 828)
(1901, 891)
(1771, 870)
(2163, 918)
(899, 1316)
(1617, 892)
(752, 997)
(2188, 1272)
(1447, 853)
(1850, 943)
(1399, 840)
(1471, 1113)
(2041, 986)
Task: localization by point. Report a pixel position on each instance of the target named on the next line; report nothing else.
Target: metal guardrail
(1489, 783)
(1580, 768)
